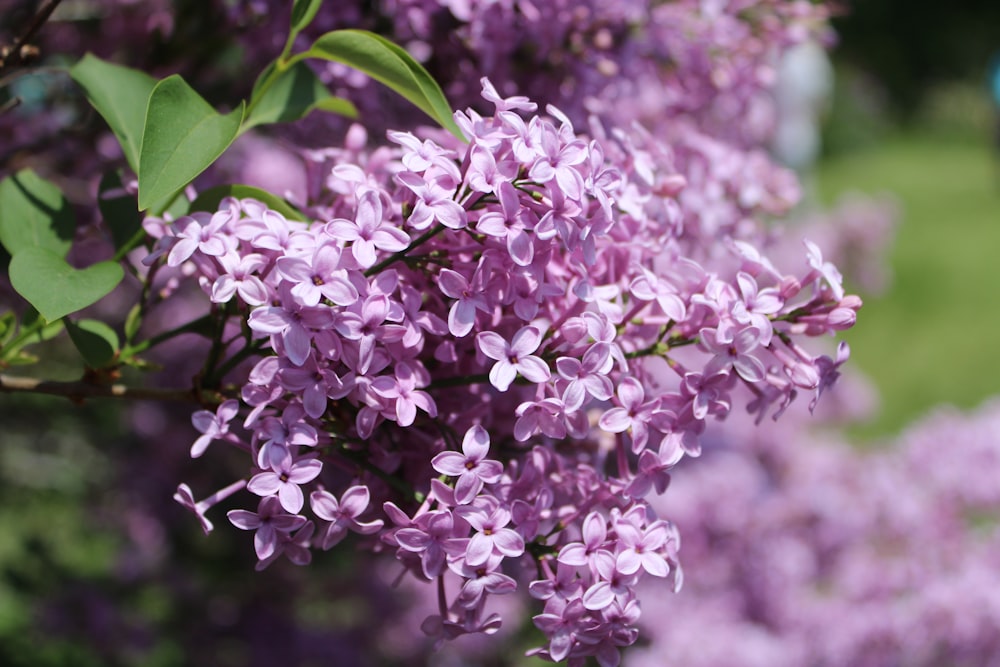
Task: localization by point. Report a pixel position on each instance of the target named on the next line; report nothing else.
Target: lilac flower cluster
(833, 555)
(504, 344)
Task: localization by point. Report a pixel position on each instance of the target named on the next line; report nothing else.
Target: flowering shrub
(479, 348)
(827, 555)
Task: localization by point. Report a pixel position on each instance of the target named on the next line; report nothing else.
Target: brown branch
(21, 50)
(78, 391)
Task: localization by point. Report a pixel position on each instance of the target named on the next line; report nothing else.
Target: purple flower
(595, 536)
(212, 426)
(268, 521)
(317, 277)
(480, 580)
(634, 415)
(514, 357)
(368, 231)
(471, 467)
(316, 384)
(366, 324)
(294, 547)
(491, 536)
(343, 514)
(434, 536)
(654, 468)
(650, 287)
(640, 548)
(403, 394)
(734, 350)
(199, 232)
(462, 314)
(434, 202)
(546, 416)
(587, 377)
(561, 623)
(829, 371)
(285, 478)
(291, 325)
(238, 277)
(824, 270)
(185, 497)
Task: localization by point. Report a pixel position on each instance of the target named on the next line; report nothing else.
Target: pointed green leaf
(119, 94)
(209, 200)
(293, 95)
(96, 342)
(118, 208)
(34, 214)
(303, 12)
(8, 327)
(54, 287)
(389, 64)
(132, 322)
(181, 137)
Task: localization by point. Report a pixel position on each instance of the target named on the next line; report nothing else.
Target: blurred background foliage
(98, 567)
(912, 116)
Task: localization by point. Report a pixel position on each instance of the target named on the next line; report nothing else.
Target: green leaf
(33, 330)
(293, 95)
(8, 327)
(119, 94)
(177, 206)
(303, 12)
(96, 341)
(181, 137)
(22, 359)
(209, 200)
(132, 322)
(118, 208)
(54, 287)
(49, 330)
(389, 64)
(34, 214)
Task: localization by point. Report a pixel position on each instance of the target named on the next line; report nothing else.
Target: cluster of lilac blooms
(484, 356)
(828, 554)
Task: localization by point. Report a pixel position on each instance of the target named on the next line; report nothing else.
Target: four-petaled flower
(514, 357)
(471, 467)
(269, 521)
(343, 514)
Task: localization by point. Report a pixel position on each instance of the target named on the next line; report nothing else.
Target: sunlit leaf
(120, 95)
(303, 12)
(389, 64)
(293, 95)
(57, 289)
(182, 136)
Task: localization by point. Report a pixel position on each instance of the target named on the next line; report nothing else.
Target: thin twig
(17, 51)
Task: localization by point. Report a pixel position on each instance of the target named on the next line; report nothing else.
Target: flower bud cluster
(492, 351)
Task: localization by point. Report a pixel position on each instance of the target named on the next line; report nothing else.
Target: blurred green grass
(933, 337)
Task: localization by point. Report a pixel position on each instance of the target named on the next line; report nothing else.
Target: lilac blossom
(268, 522)
(490, 536)
(462, 314)
(212, 426)
(368, 231)
(471, 467)
(285, 480)
(434, 536)
(343, 514)
(534, 246)
(514, 358)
